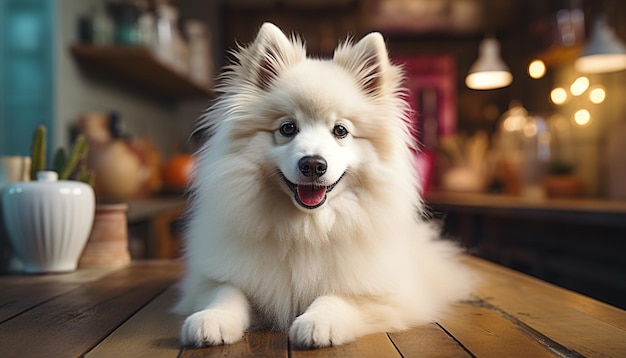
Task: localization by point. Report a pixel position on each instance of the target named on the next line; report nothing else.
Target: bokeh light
(537, 69)
(582, 117)
(597, 95)
(558, 95)
(579, 86)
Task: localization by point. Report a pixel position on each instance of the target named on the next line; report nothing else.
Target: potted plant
(49, 218)
(562, 181)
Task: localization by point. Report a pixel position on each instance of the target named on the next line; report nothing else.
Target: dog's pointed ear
(367, 60)
(272, 52)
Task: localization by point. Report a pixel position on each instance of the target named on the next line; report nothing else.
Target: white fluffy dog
(305, 211)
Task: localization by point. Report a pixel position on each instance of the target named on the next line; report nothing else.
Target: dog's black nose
(312, 166)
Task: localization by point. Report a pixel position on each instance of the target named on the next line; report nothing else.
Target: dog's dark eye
(288, 129)
(340, 131)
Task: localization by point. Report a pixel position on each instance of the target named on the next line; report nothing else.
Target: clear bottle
(146, 26)
(524, 146)
(509, 146)
(537, 154)
(170, 45)
(147, 30)
(102, 25)
(200, 64)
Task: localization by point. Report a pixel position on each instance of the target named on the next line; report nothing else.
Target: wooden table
(150, 221)
(124, 313)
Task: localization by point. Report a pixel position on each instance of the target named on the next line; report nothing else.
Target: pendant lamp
(604, 52)
(489, 71)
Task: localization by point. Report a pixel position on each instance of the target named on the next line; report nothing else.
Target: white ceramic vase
(48, 221)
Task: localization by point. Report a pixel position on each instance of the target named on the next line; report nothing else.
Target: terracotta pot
(107, 246)
(563, 186)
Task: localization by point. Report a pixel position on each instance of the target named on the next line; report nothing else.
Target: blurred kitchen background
(526, 166)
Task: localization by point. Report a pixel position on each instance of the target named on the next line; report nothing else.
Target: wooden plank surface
(486, 333)
(18, 293)
(500, 283)
(125, 314)
(371, 346)
(254, 344)
(568, 322)
(428, 341)
(151, 333)
(562, 316)
(71, 324)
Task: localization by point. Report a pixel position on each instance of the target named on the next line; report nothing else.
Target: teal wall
(26, 72)
(42, 83)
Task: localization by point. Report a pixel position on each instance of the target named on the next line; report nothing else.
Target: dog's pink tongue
(311, 195)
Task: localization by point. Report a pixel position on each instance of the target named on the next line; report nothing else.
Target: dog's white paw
(319, 329)
(212, 327)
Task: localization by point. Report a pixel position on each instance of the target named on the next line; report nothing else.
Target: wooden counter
(124, 313)
(588, 211)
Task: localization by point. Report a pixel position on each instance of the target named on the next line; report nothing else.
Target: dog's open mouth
(310, 196)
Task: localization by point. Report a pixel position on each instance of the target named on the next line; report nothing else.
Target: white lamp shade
(489, 71)
(604, 52)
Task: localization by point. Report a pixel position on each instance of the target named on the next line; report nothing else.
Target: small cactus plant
(66, 167)
(38, 152)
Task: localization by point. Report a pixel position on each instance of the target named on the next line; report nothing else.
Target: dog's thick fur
(329, 247)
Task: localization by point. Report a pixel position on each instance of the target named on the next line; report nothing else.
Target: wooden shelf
(138, 66)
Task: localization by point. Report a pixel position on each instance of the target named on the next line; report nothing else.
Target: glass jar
(523, 143)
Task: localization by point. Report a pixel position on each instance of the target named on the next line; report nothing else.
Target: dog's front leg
(223, 321)
(334, 320)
